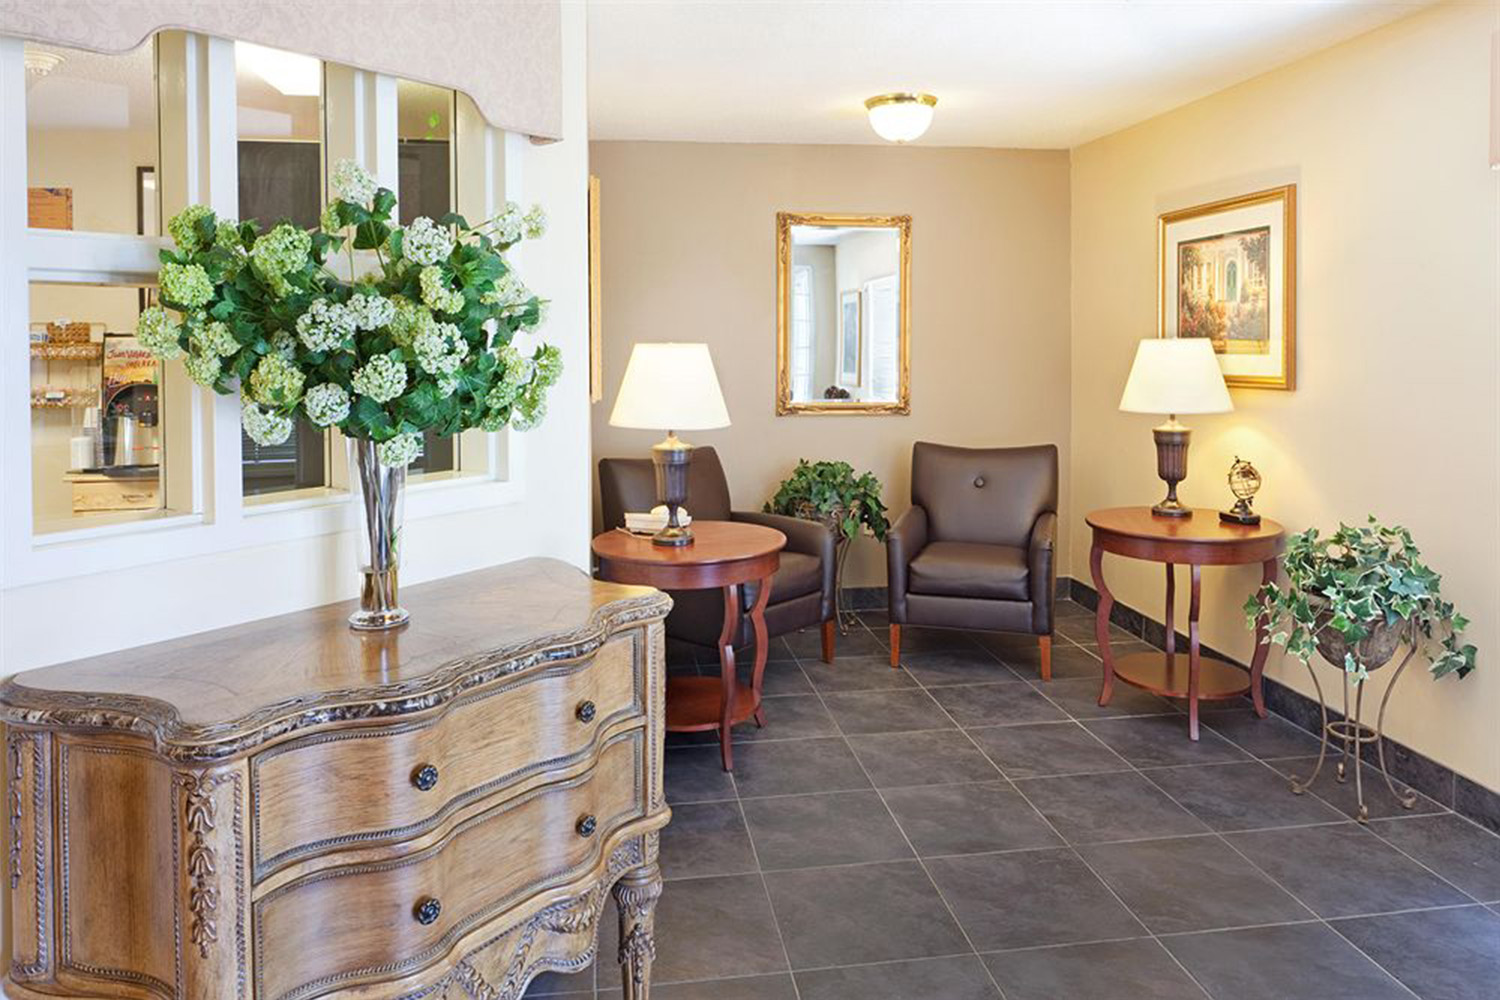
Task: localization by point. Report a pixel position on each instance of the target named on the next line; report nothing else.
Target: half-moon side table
(1199, 539)
(724, 554)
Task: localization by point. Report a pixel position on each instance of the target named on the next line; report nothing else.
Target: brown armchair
(975, 550)
(802, 591)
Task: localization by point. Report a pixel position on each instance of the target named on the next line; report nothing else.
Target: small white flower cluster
(513, 225)
(399, 451)
(264, 426)
(435, 291)
(214, 338)
(276, 381)
(352, 182)
(284, 344)
(440, 348)
(326, 325)
(509, 291)
(158, 333)
(203, 368)
(425, 242)
(371, 312)
(326, 404)
(382, 378)
(517, 371)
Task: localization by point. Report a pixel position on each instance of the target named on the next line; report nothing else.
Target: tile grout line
(902, 830)
(1084, 861)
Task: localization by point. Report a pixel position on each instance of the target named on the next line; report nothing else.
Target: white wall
(66, 619)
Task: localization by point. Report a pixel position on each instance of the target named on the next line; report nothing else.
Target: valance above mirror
(843, 313)
(506, 56)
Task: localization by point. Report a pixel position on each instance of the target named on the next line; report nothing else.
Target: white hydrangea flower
(516, 372)
(265, 427)
(447, 385)
(284, 344)
(158, 333)
(440, 348)
(352, 182)
(535, 222)
(382, 378)
(399, 451)
(436, 294)
(371, 312)
(326, 404)
(275, 381)
(214, 338)
(326, 325)
(510, 225)
(530, 411)
(203, 368)
(426, 242)
(509, 291)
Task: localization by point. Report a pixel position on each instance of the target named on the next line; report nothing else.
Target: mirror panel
(843, 313)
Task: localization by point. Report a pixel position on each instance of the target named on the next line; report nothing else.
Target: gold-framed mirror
(843, 313)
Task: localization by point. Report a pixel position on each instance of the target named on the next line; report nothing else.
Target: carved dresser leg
(636, 894)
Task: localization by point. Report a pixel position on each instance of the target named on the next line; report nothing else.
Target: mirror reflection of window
(279, 113)
(845, 309)
(424, 160)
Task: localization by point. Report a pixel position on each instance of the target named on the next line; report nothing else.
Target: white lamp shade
(670, 387)
(901, 117)
(1176, 375)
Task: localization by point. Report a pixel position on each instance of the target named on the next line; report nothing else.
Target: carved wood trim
(184, 743)
(23, 967)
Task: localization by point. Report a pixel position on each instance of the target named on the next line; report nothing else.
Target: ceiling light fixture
(292, 74)
(40, 63)
(900, 117)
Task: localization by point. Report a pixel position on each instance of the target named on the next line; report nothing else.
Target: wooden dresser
(289, 809)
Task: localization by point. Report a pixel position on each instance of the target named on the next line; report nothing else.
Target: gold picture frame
(1227, 270)
(785, 405)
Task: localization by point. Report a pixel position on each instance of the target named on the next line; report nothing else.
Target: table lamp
(1172, 376)
(670, 387)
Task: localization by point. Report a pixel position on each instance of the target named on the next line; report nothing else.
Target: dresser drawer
(361, 922)
(361, 786)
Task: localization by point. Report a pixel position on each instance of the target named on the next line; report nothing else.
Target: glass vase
(381, 498)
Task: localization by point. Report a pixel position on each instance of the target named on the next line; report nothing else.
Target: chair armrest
(908, 536)
(1041, 567)
(807, 537)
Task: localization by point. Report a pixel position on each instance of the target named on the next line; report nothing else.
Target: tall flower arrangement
(421, 340)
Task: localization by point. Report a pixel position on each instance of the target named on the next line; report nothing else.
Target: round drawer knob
(979, 482)
(427, 911)
(585, 711)
(586, 826)
(425, 778)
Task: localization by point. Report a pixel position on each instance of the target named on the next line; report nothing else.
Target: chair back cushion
(629, 484)
(992, 496)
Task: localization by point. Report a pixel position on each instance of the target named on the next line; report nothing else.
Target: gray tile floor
(957, 830)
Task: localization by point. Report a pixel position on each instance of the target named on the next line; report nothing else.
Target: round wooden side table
(723, 554)
(1199, 539)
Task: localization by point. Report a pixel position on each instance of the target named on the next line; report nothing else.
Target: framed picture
(849, 338)
(1229, 274)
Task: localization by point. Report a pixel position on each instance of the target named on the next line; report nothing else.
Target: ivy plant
(832, 493)
(1354, 581)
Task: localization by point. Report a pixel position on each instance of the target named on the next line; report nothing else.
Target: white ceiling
(1020, 74)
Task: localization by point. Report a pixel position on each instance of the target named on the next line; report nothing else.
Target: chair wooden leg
(828, 639)
(895, 645)
(1045, 643)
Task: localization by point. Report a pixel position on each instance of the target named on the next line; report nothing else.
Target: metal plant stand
(1351, 733)
(846, 616)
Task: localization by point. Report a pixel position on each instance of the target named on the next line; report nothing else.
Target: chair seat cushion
(799, 574)
(970, 569)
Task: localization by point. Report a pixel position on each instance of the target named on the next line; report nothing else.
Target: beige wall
(689, 254)
(1395, 412)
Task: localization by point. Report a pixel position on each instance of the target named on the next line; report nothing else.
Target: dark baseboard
(1434, 780)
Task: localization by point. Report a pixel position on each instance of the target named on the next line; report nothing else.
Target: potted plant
(1355, 596)
(830, 492)
(414, 334)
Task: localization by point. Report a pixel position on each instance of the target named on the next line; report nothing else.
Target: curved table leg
(727, 677)
(1101, 623)
(1194, 661)
(758, 623)
(1171, 615)
(635, 897)
(1262, 648)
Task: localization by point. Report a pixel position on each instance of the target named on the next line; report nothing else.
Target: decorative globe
(1244, 481)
